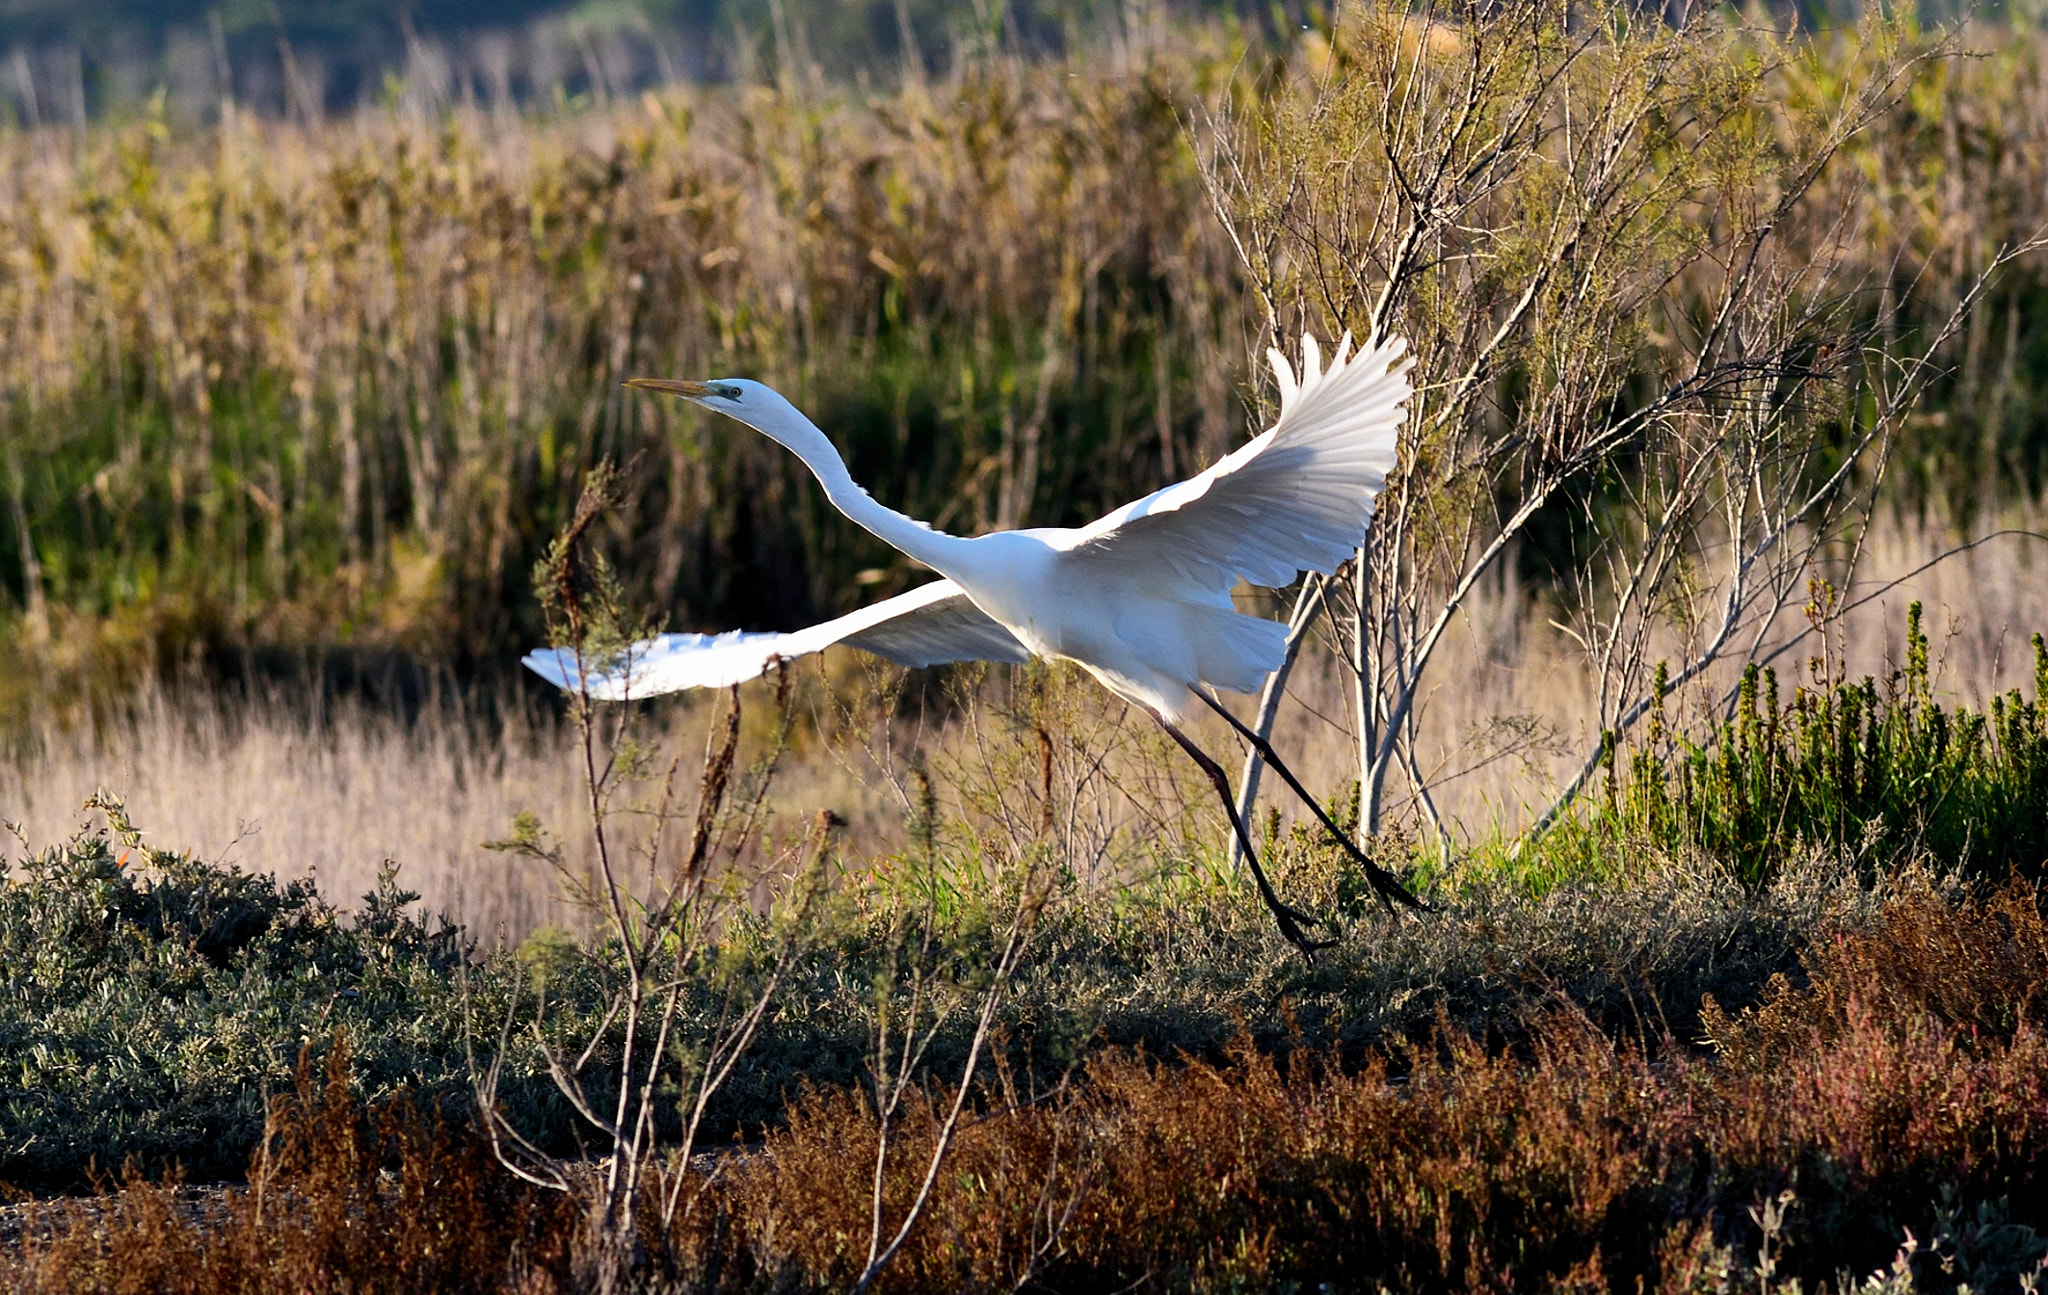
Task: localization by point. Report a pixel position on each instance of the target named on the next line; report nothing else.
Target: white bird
(1141, 598)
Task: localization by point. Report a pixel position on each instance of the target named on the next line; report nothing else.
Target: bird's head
(734, 396)
(756, 404)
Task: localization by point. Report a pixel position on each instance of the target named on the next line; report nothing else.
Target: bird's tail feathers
(1234, 651)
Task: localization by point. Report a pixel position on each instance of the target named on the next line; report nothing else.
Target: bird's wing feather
(941, 627)
(930, 624)
(1297, 498)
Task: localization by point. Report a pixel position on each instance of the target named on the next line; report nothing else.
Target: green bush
(149, 1003)
(1883, 773)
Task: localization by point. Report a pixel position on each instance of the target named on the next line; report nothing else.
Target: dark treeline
(108, 59)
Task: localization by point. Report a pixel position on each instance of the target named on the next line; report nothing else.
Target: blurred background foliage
(289, 375)
(107, 57)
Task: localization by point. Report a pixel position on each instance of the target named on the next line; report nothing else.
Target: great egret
(1140, 599)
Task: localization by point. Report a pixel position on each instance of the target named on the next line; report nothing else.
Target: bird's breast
(1012, 576)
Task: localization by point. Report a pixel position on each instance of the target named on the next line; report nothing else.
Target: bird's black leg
(1291, 919)
(1385, 884)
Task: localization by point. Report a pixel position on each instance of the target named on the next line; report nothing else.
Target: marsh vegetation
(1693, 672)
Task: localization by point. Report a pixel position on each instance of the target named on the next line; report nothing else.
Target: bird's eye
(726, 389)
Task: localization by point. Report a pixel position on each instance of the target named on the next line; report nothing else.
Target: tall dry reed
(315, 383)
(332, 381)
(287, 785)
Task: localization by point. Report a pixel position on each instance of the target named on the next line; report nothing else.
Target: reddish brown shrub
(1907, 1078)
(1980, 966)
(1585, 1164)
(390, 1199)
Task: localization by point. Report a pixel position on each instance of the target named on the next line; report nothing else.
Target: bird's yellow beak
(670, 385)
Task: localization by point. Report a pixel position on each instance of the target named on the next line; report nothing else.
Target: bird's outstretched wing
(1297, 498)
(930, 624)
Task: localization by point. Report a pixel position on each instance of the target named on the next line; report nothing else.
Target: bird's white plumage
(931, 624)
(1298, 498)
(1141, 597)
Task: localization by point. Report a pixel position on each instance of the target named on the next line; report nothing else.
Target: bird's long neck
(949, 555)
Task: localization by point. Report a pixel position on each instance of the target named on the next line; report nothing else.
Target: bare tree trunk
(1307, 605)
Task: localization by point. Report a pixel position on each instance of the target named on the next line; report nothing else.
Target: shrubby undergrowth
(377, 1195)
(1878, 1122)
(152, 1002)
(1886, 1094)
(1660, 1045)
(1879, 772)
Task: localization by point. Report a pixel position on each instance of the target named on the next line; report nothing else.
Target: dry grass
(295, 383)
(289, 383)
(1515, 708)
(330, 792)
(283, 786)
(274, 787)
(332, 383)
